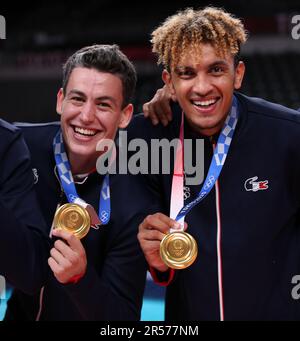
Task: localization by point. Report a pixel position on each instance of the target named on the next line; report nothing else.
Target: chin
(205, 123)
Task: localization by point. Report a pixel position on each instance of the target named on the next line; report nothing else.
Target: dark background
(40, 35)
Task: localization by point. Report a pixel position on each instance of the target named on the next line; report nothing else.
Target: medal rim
(187, 260)
(80, 232)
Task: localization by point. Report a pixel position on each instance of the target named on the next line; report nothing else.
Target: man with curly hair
(244, 216)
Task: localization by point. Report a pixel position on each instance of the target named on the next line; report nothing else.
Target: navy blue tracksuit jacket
(259, 226)
(112, 288)
(24, 247)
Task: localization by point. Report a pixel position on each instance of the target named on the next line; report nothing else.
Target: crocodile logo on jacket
(254, 186)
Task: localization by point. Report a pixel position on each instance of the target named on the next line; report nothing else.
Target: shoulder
(38, 134)
(10, 137)
(39, 139)
(273, 113)
(8, 130)
(38, 128)
(141, 127)
(13, 150)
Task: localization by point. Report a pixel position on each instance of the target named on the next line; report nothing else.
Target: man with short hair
(244, 217)
(102, 275)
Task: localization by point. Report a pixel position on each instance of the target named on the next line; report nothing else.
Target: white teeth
(205, 103)
(86, 132)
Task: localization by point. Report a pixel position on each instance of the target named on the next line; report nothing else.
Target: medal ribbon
(217, 163)
(67, 182)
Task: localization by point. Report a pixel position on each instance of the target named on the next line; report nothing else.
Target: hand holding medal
(165, 250)
(179, 250)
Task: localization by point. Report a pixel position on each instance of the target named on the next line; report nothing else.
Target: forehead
(86, 80)
(202, 55)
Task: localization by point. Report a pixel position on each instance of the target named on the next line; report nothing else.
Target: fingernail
(177, 225)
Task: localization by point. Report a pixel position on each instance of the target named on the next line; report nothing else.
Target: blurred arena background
(40, 35)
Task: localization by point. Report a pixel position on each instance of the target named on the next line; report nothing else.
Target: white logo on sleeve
(35, 175)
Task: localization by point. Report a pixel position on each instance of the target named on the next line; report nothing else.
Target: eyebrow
(106, 98)
(216, 63)
(76, 92)
(101, 98)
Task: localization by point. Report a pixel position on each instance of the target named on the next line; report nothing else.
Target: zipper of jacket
(219, 243)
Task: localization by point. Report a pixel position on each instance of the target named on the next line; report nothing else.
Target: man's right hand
(151, 232)
(159, 109)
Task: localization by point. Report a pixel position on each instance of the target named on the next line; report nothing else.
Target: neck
(206, 132)
(81, 165)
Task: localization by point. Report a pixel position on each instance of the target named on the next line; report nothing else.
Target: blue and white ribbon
(217, 163)
(67, 182)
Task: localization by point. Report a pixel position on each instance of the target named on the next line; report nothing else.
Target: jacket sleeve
(24, 247)
(162, 278)
(115, 291)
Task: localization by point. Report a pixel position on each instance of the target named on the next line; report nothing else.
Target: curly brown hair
(189, 28)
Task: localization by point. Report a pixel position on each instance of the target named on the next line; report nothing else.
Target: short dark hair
(104, 58)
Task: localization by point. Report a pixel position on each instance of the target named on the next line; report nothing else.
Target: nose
(202, 85)
(87, 114)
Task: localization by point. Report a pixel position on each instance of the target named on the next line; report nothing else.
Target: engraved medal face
(178, 250)
(74, 219)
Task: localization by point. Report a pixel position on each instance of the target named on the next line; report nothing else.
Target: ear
(166, 77)
(126, 116)
(239, 75)
(59, 101)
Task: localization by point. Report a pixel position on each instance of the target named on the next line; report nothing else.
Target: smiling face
(91, 110)
(203, 86)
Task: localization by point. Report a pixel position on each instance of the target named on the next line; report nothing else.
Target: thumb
(185, 226)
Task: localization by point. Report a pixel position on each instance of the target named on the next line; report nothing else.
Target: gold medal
(74, 219)
(178, 250)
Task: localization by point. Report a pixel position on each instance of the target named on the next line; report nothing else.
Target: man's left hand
(68, 257)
